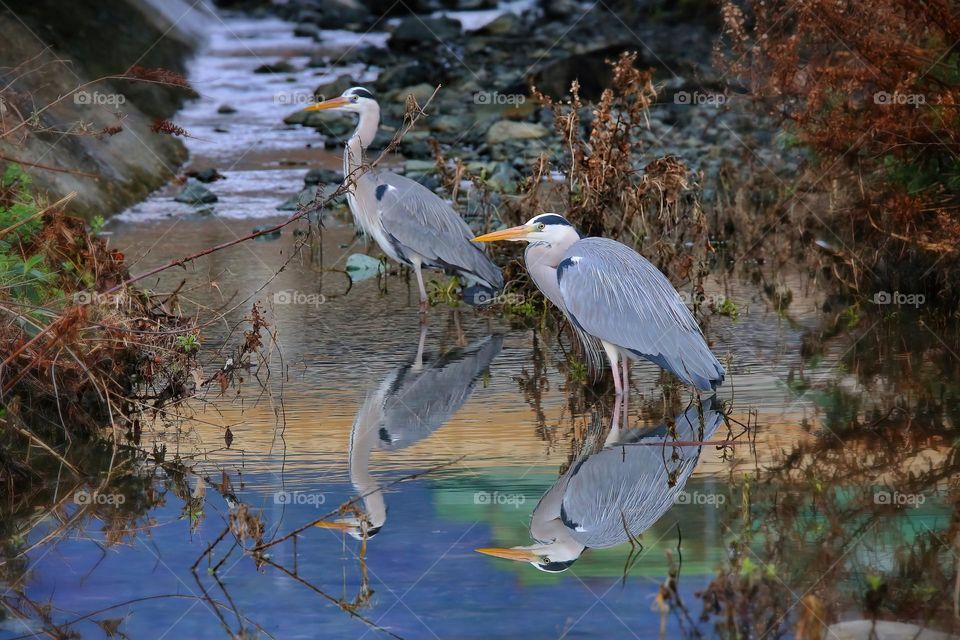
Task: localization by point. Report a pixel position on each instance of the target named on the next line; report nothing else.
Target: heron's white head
(353, 526)
(546, 228)
(354, 100)
(552, 557)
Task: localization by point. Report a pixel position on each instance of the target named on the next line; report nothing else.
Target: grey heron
(614, 491)
(613, 294)
(412, 402)
(410, 223)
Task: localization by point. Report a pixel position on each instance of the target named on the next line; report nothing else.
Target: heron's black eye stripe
(552, 218)
(363, 93)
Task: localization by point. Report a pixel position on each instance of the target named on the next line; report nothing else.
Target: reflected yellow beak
(522, 555)
(332, 103)
(507, 234)
(335, 524)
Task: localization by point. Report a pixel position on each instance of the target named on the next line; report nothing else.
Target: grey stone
(195, 193)
(504, 130)
(416, 31)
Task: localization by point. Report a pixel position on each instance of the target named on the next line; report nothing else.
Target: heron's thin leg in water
(614, 436)
(614, 355)
(423, 289)
(626, 374)
(418, 361)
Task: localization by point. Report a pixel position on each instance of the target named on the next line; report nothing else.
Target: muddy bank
(96, 138)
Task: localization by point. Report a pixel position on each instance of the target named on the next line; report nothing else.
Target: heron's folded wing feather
(629, 487)
(418, 220)
(615, 294)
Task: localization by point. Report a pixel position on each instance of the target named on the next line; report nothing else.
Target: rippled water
(359, 398)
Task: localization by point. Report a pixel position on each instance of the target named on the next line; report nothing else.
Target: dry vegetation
(871, 91)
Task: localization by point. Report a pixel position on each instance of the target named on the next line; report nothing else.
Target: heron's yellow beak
(342, 525)
(332, 103)
(513, 233)
(522, 555)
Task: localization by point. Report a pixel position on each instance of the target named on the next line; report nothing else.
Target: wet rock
(470, 5)
(362, 55)
(589, 67)
(206, 175)
(559, 10)
(415, 32)
(281, 66)
(307, 197)
(421, 92)
(226, 109)
(400, 75)
(336, 125)
(322, 176)
(416, 148)
(306, 30)
(195, 193)
(429, 180)
(336, 15)
(273, 235)
(447, 124)
(505, 178)
(411, 167)
(334, 88)
(361, 267)
(506, 24)
(505, 130)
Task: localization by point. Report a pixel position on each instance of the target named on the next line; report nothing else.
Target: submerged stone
(360, 266)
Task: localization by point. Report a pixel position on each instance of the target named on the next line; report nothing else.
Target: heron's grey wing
(627, 486)
(416, 220)
(420, 402)
(615, 294)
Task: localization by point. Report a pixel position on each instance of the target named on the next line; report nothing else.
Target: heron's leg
(613, 354)
(626, 374)
(614, 436)
(418, 361)
(423, 290)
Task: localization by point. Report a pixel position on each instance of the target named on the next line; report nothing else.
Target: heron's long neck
(546, 525)
(359, 141)
(363, 439)
(542, 260)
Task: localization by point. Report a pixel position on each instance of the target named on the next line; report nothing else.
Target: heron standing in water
(613, 294)
(412, 225)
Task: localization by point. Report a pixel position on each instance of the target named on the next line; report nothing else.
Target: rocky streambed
(261, 68)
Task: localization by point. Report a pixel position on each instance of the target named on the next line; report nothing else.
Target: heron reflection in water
(615, 490)
(412, 402)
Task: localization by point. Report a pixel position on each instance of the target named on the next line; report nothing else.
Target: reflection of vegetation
(863, 517)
